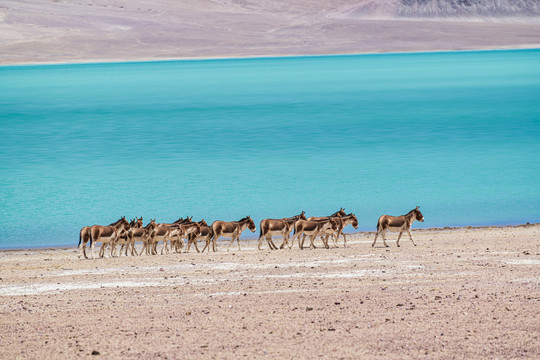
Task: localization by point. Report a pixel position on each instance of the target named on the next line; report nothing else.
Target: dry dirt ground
(56, 31)
(461, 293)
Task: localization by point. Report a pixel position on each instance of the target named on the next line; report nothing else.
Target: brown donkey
(107, 235)
(145, 236)
(231, 229)
(398, 223)
(204, 233)
(283, 227)
(187, 228)
(313, 228)
(124, 238)
(84, 237)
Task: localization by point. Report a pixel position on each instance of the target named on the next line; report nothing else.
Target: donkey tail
(80, 238)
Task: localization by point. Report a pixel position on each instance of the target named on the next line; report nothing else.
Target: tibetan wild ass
(204, 233)
(342, 222)
(397, 223)
(188, 228)
(124, 238)
(145, 237)
(84, 237)
(107, 235)
(311, 228)
(166, 233)
(281, 227)
(231, 229)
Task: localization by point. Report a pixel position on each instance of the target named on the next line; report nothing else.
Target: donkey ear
(418, 207)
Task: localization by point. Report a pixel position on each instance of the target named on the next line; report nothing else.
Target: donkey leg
(181, 244)
(312, 241)
(399, 237)
(270, 243)
(292, 241)
(195, 241)
(344, 240)
(207, 245)
(335, 238)
(261, 241)
(326, 245)
(410, 236)
(238, 242)
(214, 242)
(324, 239)
(285, 241)
(231, 243)
(376, 236)
(102, 250)
(83, 250)
(384, 238)
(301, 242)
(92, 243)
(165, 246)
(143, 247)
(113, 250)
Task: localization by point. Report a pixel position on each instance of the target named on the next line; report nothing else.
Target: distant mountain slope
(525, 9)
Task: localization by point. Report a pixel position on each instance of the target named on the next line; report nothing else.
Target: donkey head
(418, 214)
(124, 224)
(355, 221)
(251, 224)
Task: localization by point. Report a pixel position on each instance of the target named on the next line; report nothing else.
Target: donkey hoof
(398, 245)
(387, 245)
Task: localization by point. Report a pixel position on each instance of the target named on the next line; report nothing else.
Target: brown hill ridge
(521, 10)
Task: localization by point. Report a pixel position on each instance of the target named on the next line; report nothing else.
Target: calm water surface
(457, 133)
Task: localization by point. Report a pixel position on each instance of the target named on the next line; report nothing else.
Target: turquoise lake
(457, 133)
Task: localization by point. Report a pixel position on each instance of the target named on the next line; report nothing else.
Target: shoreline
(268, 56)
(250, 238)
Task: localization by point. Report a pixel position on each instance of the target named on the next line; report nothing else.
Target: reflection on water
(457, 133)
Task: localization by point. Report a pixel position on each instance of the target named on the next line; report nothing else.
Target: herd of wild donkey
(126, 234)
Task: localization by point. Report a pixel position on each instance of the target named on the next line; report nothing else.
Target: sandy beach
(41, 31)
(461, 293)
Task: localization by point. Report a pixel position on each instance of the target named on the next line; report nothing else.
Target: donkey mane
(116, 222)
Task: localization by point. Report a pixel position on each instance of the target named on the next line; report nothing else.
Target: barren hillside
(44, 31)
(501, 10)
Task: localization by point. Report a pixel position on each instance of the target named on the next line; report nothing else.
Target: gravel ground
(461, 293)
